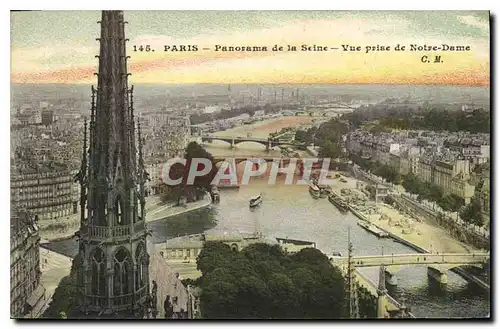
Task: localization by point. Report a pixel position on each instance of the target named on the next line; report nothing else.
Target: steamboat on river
(255, 201)
(318, 190)
(314, 190)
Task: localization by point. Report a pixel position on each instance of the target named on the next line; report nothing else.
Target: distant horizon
(264, 83)
(60, 47)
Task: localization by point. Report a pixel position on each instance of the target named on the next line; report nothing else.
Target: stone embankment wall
(455, 229)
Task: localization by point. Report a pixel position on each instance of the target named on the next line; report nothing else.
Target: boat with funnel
(314, 190)
(255, 201)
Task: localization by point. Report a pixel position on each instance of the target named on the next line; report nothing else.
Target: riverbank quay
(54, 267)
(64, 228)
(155, 210)
(457, 228)
(420, 215)
(417, 235)
(479, 237)
(170, 210)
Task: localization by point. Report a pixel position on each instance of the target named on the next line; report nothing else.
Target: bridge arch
(446, 267)
(395, 261)
(235, 247)
(239, 141)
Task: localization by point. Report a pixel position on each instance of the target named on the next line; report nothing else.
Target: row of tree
(328, 137)
(282, 131)
(433, 118)
(411, 183)
(432, 192)
(237, 111)
(472, 213)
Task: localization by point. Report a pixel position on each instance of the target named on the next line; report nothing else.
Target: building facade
(433, 157)
(167, 136)
(453, 177)
(47, 117)
(25, 289)
(47, 191)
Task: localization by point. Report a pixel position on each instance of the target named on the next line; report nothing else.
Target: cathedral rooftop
(167, 282)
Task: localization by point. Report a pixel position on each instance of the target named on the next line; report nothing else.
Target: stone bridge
(438, 264)
(268, 143)
(239, 159)
(283, 161)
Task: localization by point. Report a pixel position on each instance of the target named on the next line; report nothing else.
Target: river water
(290, 211)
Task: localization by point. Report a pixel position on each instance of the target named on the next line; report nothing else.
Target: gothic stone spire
(114, 152)
(113, 275)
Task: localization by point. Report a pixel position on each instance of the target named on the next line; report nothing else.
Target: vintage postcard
(250, 164)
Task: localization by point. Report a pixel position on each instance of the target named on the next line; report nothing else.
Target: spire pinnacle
(381, 281)
(351, 279)
(85, 138)
(82, 175)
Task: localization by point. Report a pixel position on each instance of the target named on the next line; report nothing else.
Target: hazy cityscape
(402, 232)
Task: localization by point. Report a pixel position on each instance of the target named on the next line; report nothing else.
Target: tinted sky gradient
(59, 46)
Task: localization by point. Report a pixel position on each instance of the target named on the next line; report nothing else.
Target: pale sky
(59, 46)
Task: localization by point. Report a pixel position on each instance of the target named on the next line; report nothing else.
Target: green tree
(451, 202)
(264, 282)
(300, 136)
(213, 255)
(196, 151)
(472, 213)
(222, 296)
(329, 149)
(200, 185)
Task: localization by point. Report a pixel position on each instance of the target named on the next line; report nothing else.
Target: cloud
(475, 22)
(76, 63)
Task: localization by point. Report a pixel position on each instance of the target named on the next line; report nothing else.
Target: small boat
(373, 229)
(255, 201)
(337, 254)
(338, 202)
(323, 191)
(314, 190)
(214, 193)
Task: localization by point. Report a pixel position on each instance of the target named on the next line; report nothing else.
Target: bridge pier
(390, 278)
(232, 143)
(438, 275)
(268, 146)
(382, 295)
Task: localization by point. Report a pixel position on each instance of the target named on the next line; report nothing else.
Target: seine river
(290, 211)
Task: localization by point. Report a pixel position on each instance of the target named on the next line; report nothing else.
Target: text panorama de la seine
(308, 48)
